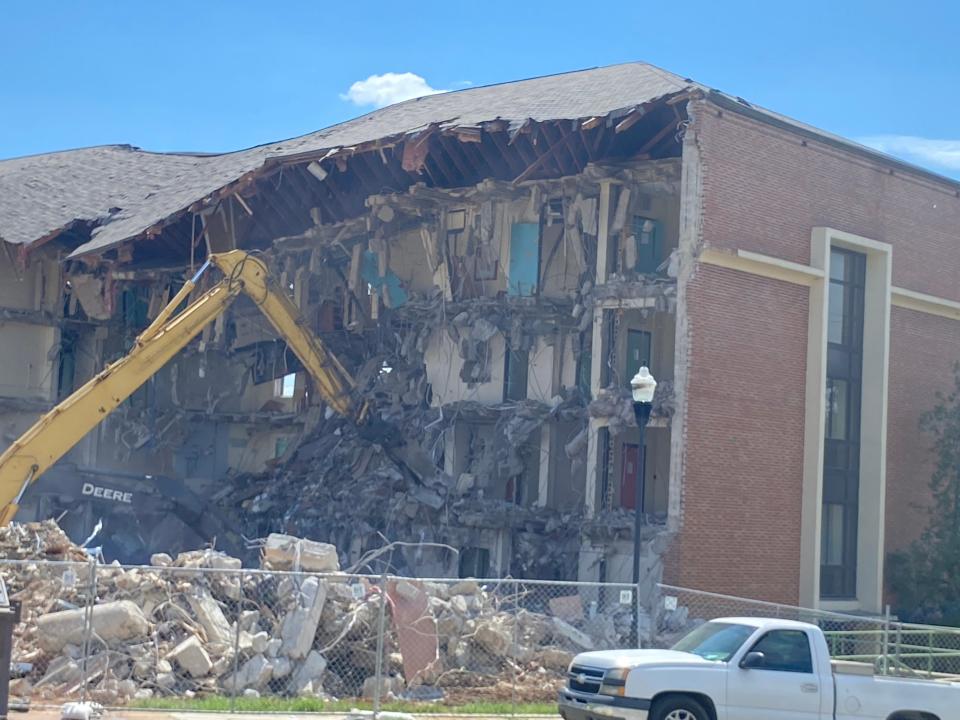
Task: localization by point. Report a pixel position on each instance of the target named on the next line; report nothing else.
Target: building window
(283, 387)
(638, 351)
(516, 490)
(841, 471)
(516, 367)
(475, 563)
(647, 235)
(524, 259)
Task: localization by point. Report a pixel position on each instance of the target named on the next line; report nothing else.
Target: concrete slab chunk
(211, 617)
(300, 624)
(192, 657)
(113, 622)
(286, 552)
(308, 678)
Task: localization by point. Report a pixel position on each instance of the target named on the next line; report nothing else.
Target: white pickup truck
(747, 669)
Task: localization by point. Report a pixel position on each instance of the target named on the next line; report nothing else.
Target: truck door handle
(809, 688)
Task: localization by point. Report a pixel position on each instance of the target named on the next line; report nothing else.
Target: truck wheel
(678, 708)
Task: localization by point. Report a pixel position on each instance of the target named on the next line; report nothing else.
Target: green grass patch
(218, 703)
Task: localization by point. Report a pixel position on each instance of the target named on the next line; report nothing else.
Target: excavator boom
(54, 434)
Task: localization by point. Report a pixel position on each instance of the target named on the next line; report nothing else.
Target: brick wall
(744, 455)
(764, 189)
(923, 349)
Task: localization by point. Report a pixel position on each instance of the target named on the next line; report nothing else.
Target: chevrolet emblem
(581, 678)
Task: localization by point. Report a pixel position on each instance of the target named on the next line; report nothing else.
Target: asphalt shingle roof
(127, 190)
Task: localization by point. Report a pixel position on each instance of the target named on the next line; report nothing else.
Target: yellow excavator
(64, 426)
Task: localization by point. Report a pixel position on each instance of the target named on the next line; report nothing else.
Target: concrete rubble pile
(194, 625)
(350, 491)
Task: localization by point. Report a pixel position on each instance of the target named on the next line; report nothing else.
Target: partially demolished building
(493, 265)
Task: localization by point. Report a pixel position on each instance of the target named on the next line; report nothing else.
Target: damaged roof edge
(189, 184)
(272, 163)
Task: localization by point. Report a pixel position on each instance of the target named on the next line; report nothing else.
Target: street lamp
(642, 386)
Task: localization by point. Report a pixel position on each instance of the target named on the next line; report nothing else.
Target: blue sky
(212, 75)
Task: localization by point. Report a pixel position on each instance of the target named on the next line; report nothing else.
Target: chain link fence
(892, 647)
(212, 635)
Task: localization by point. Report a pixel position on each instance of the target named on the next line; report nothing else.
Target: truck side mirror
(753, 660)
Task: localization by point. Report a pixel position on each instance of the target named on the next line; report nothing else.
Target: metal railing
(892, 647)
(207, 634)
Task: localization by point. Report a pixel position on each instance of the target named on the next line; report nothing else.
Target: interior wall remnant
(28, 355)
(567, 471)
(253, 448)
(541, 373)
(648, 233)
(33, 285)
(445, 367)
(409, 260)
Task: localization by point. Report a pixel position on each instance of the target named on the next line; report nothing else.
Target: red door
(630, 456)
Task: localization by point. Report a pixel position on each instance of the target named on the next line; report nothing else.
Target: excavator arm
(64, 426)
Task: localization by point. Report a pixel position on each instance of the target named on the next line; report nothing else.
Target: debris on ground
(195, 626)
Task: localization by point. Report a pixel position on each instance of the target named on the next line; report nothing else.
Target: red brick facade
(764, 189)
(923, 349)
(744, 450)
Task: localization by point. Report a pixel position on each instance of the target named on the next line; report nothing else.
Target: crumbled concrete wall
(415, 299)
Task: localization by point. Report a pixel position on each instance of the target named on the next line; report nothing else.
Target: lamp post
(642, 386)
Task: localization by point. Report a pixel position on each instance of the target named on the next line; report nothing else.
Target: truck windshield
(715, 641)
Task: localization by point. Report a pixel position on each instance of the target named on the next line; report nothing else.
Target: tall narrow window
(638, 351)
(841, 466)
(647, 234)
(516, 367)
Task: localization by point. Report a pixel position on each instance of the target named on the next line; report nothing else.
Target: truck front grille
(585, 679)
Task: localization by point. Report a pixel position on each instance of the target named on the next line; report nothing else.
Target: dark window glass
(838, 403)
(515, 375)
(838, 264)
(785, 651)
(835, 308)
(647, 235)
(474, 562)
(832, 535)
(841, 477)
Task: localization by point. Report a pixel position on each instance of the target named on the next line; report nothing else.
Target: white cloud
(939, 154)
(389, 88)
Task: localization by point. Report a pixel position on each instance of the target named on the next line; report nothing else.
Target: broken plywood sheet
(90, 291)
(415, 626)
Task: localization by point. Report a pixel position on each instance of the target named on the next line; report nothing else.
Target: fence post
(515, 649)
(886, 641)
(381, 629)
(636, 614)
(236, 649)
(897, 646)
(88, 625)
